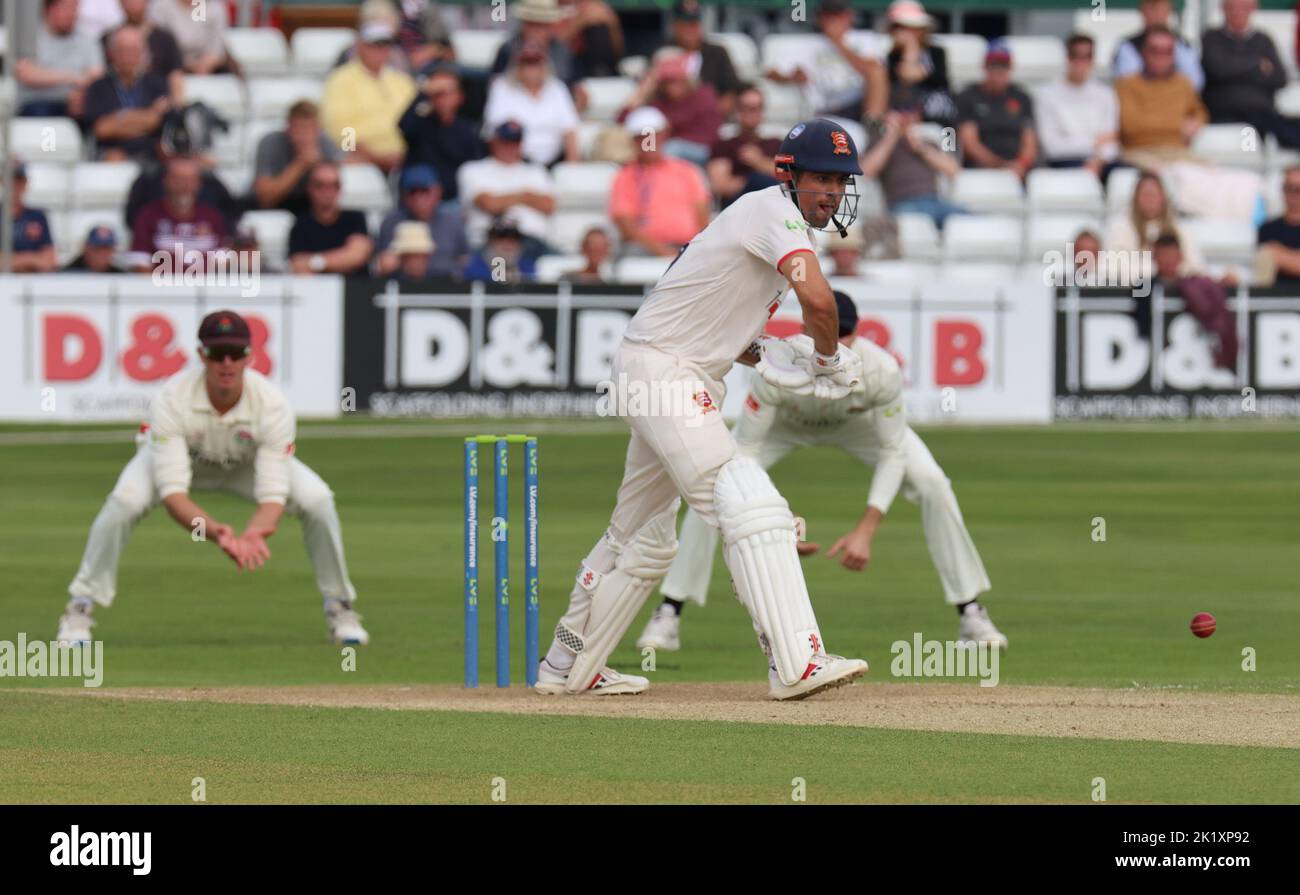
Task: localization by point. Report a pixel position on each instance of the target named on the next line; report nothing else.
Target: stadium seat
(365, 188)
(568, 227)
(784, 51)
(871, 198)
(270, 98)
(477, 49)
(1119, 190)
(982, 238)
(8, 97)
(1288, 99)
(254, 131)
(965, 54)
(633, 67)
(47, 139)
(1107, 27)
(581, 186)
(742, 50)
(918, 237)
(988, 192)
(783, 104)
(1064, 189)
(644, 271)
(102, 184)
(1230, 144)
(979, 273)
(272, 228)
(589, 137)
(260, 52)
(1036, 59)
(606, 96)
(902, 272)
(1052, 232)
(1225, 242)
(551, 267)
(230, 148)
(47, 187)
(1273, 192)
(315, 50)
(237, 178)
(224, 93)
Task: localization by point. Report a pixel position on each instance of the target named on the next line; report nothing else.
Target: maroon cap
(224, 328)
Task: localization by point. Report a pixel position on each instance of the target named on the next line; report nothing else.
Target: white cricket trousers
(951, 549)
(135, 495)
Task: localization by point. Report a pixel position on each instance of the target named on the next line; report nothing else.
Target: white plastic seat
(982, 238)
(1119, 190)
(871, 198)
(918, 237)
(644, 271)
(478, 49)
(224, 93)
(902, 271)
(47, 187)
(71, 229)
(272, 228)
(1064, 190)
(1287, 99)
(783, 104)
(365, 188)
(47, 139)
(965, 57)
(315, 50)
(988, 191)
(1226, 242)
(230, 148)
(260, 52)
(270, 98)
(1053, 232)
(568, 227)
(1036, 58)
(103, 184)
(237, 178)
(977, 273)
(742, 50)
(1227, 144)
(606, 96)
(551, 267)
(583, 185)
(1114, 26)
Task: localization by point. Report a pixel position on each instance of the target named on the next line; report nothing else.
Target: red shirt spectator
(177, 226)
(692, 109)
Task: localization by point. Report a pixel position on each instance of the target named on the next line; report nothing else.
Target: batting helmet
(825, 147)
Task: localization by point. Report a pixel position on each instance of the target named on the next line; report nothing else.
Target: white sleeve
(867, 44)
(891, 428)
(271, 462)
(771, 240)
(494, 111)
(168, 452)
(465, 182)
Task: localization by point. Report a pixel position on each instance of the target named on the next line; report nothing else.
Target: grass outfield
(1196, 519)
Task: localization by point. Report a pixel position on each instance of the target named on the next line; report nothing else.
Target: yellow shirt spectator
(366, 98)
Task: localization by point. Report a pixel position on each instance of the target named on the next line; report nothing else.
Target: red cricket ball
(1203, 624)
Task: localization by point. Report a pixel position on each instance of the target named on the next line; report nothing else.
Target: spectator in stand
(148, 186)
(539, 24)
(503, 259)
(846, 253)
(908, 166)
(364, 100)
(1151, 214)
(529, 94)
(915, 66)
(845, 77)
(1128, 56)
(126, 107)
(1280, 237)
(1077, 117)
(745, 162)
(97, 253)
(437, 135)
(691, 108)
(244, 242)
(706, 62)
(201, 38)
(505, 184)
(595, 38)
(1159, 111)
(596, 249)
(422, 35)
(326, 238)
(996, 118)
(411, 249)
(658, 202)
(177, 231)
(1086, 246)
(421, 203)
(53, 78)
(33, 244)
(1243, 72)
(164, 54)
(285, 157)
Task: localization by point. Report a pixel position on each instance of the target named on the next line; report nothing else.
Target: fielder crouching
(220, 427)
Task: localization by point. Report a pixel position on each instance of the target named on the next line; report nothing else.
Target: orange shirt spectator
(658, 202)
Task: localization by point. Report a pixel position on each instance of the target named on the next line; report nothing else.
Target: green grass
(1196, 519)
(151, 752)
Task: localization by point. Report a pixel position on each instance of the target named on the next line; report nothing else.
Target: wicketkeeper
(218, 427)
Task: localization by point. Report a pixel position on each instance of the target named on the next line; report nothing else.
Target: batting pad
(759, 545)
(618, 596)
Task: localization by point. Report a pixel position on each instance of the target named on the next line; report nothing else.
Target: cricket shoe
(345, 624)
(824, 672)
(975, 627)
(74, 627)
(661, 632)
(608, 682)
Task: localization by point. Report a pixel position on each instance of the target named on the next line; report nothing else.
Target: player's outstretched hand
(229, 543)
(856, 548)
(255, 551)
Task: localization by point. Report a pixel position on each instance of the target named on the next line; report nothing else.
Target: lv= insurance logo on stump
(500, 529)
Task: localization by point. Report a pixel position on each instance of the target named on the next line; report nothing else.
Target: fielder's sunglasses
(219, 353)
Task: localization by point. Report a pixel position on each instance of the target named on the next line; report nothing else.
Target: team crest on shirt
(841, 141)
(751, 404)
(1013, 106)
(243, 436)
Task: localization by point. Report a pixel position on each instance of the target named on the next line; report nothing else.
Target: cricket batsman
(871, 425)
(707, 312)
(218, 427)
